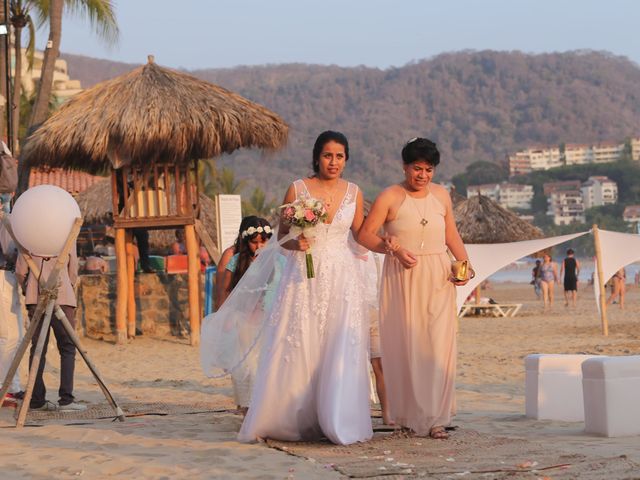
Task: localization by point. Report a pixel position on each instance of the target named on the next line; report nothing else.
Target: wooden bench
(491, 309)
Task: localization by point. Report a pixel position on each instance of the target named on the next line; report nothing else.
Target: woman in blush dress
(312, 378)
(418, 295)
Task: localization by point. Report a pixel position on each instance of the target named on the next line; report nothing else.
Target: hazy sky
(225, 33)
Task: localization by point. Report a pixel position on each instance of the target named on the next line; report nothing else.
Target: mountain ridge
(477, 105)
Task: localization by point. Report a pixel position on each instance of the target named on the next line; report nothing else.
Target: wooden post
(208, 242)
(131, 294)
(603, 294)
(194, 282)
(121, 288)
(478, 294)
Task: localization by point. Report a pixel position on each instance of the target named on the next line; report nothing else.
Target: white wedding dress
(312, 375)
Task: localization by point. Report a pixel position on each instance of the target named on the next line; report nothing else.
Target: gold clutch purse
(460, 270)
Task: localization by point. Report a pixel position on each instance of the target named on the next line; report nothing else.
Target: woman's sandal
(438, 433)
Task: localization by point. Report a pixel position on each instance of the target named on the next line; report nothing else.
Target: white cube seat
(611, 387)
(553, 387)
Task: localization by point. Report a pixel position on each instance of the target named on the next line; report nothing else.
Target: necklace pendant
(424, 222)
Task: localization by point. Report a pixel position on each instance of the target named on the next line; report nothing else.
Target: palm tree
(227, 183)
(207, 177)
(19, 19)
(3, 78)
(258, 205)
(51, 52)
(101, 14)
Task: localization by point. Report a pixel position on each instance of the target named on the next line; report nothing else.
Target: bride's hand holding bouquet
(302, 216)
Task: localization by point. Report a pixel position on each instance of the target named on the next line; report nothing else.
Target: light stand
(47, 306)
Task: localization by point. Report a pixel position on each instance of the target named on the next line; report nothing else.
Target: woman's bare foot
(438, 433)
(386, 418)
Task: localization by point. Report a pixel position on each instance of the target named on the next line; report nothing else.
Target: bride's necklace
(422, 214)
(329, 198)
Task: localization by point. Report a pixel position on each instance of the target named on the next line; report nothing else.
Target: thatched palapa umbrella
(152, 125)
(481, 220)
(151, 114)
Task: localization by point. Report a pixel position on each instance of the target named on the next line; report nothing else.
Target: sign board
(228, 218)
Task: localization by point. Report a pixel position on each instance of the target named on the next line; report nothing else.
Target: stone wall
(162, 305)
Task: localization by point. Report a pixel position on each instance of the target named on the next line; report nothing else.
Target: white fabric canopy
(486, 259)
(617, 250)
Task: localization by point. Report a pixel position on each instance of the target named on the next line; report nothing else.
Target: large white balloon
(42, 218)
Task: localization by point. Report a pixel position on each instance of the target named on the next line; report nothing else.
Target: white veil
(231, 337)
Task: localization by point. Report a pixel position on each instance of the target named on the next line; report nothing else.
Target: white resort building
(508, 195)
(599, 191)
(546, 157)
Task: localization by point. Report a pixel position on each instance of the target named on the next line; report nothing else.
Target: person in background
(535, 279)
(224, 259)
(618, 287)
(142, 240)
(254, 237)
(548, 279)
(571, 269)
(179, 247)
(11, 322)
(67, 349)
(95, 264)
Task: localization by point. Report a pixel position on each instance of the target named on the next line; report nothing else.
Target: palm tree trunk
(51, 53)
(3, 78)
(17, 85)
(41, 106)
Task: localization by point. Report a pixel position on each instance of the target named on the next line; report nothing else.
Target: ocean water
(520, 272)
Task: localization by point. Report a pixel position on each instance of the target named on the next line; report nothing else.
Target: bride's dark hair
(322, 140)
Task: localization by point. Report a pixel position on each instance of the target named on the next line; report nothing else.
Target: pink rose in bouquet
(302, 214)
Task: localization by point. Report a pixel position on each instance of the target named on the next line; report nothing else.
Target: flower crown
(252, 230)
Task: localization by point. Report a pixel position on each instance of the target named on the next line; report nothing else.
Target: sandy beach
(183, 425)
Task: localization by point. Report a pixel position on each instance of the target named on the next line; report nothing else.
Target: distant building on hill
(564, 201)
(549, 187)
(508, 195)
(534, 158)
(635, 148)
(489, 190)
(566, 206)
(631, 214)
(63, 86)
(514, 195)
(599, 191)
(546, 157)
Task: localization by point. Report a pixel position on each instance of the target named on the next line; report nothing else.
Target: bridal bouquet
(302, 215)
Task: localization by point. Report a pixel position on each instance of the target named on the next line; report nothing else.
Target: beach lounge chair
(491, 309)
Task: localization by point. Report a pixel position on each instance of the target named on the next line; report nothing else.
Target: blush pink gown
(417, 320)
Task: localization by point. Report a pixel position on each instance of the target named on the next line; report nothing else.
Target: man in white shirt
(11, 321)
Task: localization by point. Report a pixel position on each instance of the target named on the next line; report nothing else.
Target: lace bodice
(329, 234)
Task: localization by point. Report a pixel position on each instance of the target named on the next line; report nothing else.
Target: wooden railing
(158, 195)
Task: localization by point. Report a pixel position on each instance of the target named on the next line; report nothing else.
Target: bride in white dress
(312, 375)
